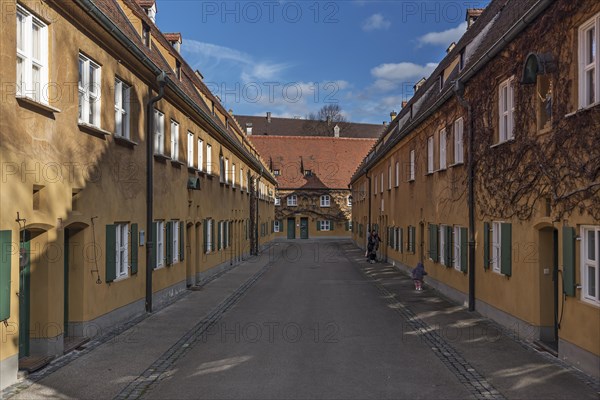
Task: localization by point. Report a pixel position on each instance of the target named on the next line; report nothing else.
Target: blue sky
(293, 57)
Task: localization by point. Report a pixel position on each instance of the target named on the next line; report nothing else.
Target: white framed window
(325, 225)
(276, 227)
(159, 132)
(200, 152)
(209, 229)
(160, 244)
(376, 191)
(175, 241)
(222, 169)
(122, 93)
(589, 65)
(349, 201)
(241, 179)
(442, 149)
(233, 171)
(430, 154)
(208, 158)
(89, 91)
(381, 183)
(190, 149)
(411, 166)
(442, 244)
(390, 177)
(458, 239)
(292, 200)
(397, 182)
(122, 253)
(277, 201)
(325, 201)
(32, 56)
(382, 205)
(227, 180)
(590, 264)
(174, 140)
(506, 110)
(276, 172)
(458, 141)
(496, 247)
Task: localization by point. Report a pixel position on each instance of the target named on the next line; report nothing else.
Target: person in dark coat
(417, 274)
(372, 246)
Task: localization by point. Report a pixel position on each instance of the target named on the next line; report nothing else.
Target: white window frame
(397, 182)
(442, 244)
(209, 225)
(227, 180)
(200, 155)
(589, 67)
(122, 251)
(241, 179)
(430, 150)
(590, 264)
(443, 140)
(506, 109)
(175, 241)
(160, 244)
(349, 201)
(325, 200)
(325, 225)
(496, 247)
(233, 174)
(174, 140)
(457, 249)
(412, 166)
(376, 186)
(208, 158)
(390, 177)
(292, 200)
(122, 108)
(277, 201)
(381, 186)
(28, 85)
(190, 149)
(159, 132)
(276, 226)
(458, 141)
(89, 93)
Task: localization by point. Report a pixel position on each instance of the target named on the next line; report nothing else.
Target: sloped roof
(331, 160)
(303, 127)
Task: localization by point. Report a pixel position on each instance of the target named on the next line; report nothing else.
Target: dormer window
(461, 62)
(441, 81)
(249, 129)
(145, 34)
(276, 172)
(178, 69)
(308, 172)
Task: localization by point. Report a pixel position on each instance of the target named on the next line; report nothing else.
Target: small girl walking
(417, 275)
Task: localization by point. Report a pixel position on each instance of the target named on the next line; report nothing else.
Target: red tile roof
(331, 160)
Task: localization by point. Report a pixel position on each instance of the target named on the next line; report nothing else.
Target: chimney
(268, 117)
(404, 103)
(336, 131)
(393, 115)
(175, 40)
(472, 15)
(150, 7)
(451, 47)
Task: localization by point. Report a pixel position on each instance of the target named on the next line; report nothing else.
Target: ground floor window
(590, 266)
(325, 225)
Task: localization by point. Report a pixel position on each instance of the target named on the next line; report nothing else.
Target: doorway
(303, 228)
(291, 228)
(548, 276)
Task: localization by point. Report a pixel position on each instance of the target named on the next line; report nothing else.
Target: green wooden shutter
(449, 247)
(110, 254)
(133, 249)
(212, 234)
(205, 233)
(347, 226)
(486, 245)
(154, 245)
(181, 242)
(463, 249)
(318, 225)
(169, 243)
(506, 249)
(331, 225)
(568, 243)
(5, 271)
(219, 229)
(434, 245)
(401, 240)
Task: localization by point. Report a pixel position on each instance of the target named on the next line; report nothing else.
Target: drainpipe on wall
(162, 82)
(459, 90)
(369, 185)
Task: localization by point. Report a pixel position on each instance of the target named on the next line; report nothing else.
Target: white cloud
(443, 38)
(374, 22)
(391, 76)
(215, 51)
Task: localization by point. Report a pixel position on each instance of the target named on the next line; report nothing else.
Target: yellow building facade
(489, 176)
(90, 236)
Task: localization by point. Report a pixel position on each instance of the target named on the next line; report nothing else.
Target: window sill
(120, 278)
(36, 105)
(430, 173)
(123, 141)
(192, 169)
(456, 164)
(209, 175)
(441, 170)
(93, 130)
(582, 109)
(161, 157)
(501, 143)
(177, 163)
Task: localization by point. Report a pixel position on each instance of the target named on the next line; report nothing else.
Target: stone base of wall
(579, 358)
(8, 371)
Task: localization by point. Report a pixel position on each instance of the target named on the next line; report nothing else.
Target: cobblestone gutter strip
(160, 368)
(63, 360)
(475, 383)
